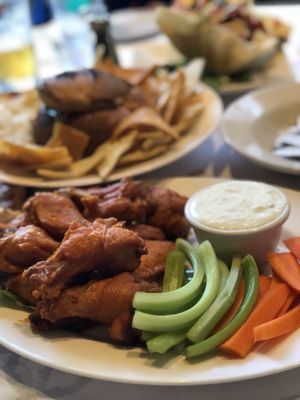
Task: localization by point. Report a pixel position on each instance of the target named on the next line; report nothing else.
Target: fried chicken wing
(168, 212)
(23, 248)
(135, 202)
(21, 286)
(152, 264)
(53, 212)
(102, 245)
(108, 301)
(148, 232)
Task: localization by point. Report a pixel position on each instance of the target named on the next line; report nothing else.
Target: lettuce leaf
(9, 299)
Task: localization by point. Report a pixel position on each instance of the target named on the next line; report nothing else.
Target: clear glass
(78, 39)
(17, 64)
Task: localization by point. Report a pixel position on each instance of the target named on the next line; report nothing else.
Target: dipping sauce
(237, 205)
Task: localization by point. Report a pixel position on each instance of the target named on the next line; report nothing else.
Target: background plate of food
(243, 46)
(102, 124)
(85, 354)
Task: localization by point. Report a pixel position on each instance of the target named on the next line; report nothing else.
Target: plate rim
(230, 142)
(152, 382)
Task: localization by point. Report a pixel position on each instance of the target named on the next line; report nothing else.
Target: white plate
(94, 359)
(252, 123)
(133, 24)
(207, 122)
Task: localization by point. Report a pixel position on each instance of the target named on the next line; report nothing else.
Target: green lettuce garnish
(9, 299)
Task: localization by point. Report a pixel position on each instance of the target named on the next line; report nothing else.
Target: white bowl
(252, 238)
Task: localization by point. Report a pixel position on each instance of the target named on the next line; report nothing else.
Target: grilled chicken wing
(81, 91)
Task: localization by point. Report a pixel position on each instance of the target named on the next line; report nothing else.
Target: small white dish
(252, 124)
(239, 217)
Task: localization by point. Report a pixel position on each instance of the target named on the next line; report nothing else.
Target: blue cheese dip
(237, 205)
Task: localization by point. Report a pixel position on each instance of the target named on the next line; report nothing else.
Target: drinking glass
(17, 64)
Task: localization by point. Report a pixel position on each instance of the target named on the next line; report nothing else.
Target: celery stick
(224, 272)
(163, 342)
(208, 320)
(252, 282)
(174, 271)
(168, 302)
(185, 319)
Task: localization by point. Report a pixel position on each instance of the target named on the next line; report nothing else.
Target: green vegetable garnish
(10, 299)
(201, 329)
(185, 319)
(169, 302)
(174, 271)
(252, 283)
(224, 272)
(163, 342)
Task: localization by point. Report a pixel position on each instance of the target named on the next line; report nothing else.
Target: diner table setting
(114, 117)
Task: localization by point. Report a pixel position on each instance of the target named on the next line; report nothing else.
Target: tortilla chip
(189, 112)
(132, 75)
(144, 118)
(116, 150)
(30, 154)
(177, 85)
(75, 140)
(153, 141)
(142, 155)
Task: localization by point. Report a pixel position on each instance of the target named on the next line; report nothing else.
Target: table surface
(23, 379)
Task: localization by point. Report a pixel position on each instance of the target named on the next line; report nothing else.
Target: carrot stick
(282, 325)
(241, 342)
(286, 267)
(264, 286)
(287, 304)
(293, 244)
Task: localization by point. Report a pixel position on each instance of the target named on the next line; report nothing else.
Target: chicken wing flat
(108, 301)
(152, 264)
(148, 232)
(135, 202)
(25, 247)
(53, 212)
(21, 286)
(126, 201)
(168, 212)
(102, 245)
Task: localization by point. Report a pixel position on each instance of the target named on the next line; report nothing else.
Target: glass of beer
(17, 64)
